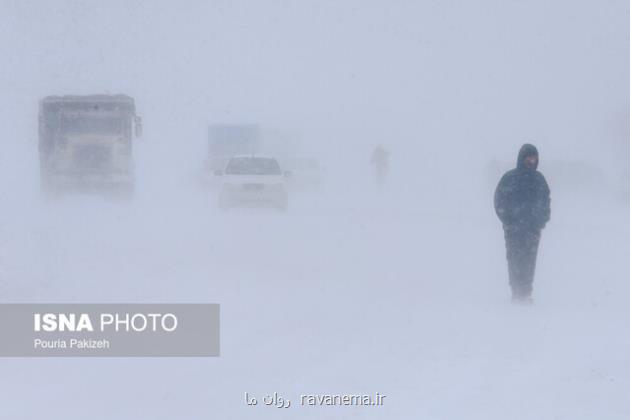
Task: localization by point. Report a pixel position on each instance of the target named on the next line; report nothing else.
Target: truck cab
(86, 142)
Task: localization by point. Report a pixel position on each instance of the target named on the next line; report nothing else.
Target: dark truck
(227, 140)
(87, 142)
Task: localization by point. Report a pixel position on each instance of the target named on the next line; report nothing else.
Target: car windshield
(253, 166)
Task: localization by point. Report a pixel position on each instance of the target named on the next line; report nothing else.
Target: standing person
(522, 203)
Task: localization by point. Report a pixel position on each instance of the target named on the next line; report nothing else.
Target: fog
(398, 287)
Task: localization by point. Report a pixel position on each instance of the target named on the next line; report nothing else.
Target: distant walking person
(380, 162)
(522, 203)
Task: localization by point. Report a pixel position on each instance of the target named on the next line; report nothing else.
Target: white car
(253, 181)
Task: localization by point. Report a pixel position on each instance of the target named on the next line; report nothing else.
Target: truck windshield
(92, 125)
(253, 166)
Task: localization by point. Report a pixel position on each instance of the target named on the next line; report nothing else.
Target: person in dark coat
(522, 203)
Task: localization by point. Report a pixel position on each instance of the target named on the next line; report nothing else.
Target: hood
(526, 150)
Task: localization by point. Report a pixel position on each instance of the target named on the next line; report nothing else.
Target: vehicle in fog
(86, 142)
(227, 140)
(250, 180)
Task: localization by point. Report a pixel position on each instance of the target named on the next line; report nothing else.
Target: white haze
(400, 290)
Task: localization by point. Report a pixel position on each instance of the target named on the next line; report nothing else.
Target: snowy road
(312, 303)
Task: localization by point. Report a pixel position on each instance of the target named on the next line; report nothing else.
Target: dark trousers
(522, 248)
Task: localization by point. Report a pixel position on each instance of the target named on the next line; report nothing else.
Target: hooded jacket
(521, 199)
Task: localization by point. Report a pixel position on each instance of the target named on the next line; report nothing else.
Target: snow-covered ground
(353, 290)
